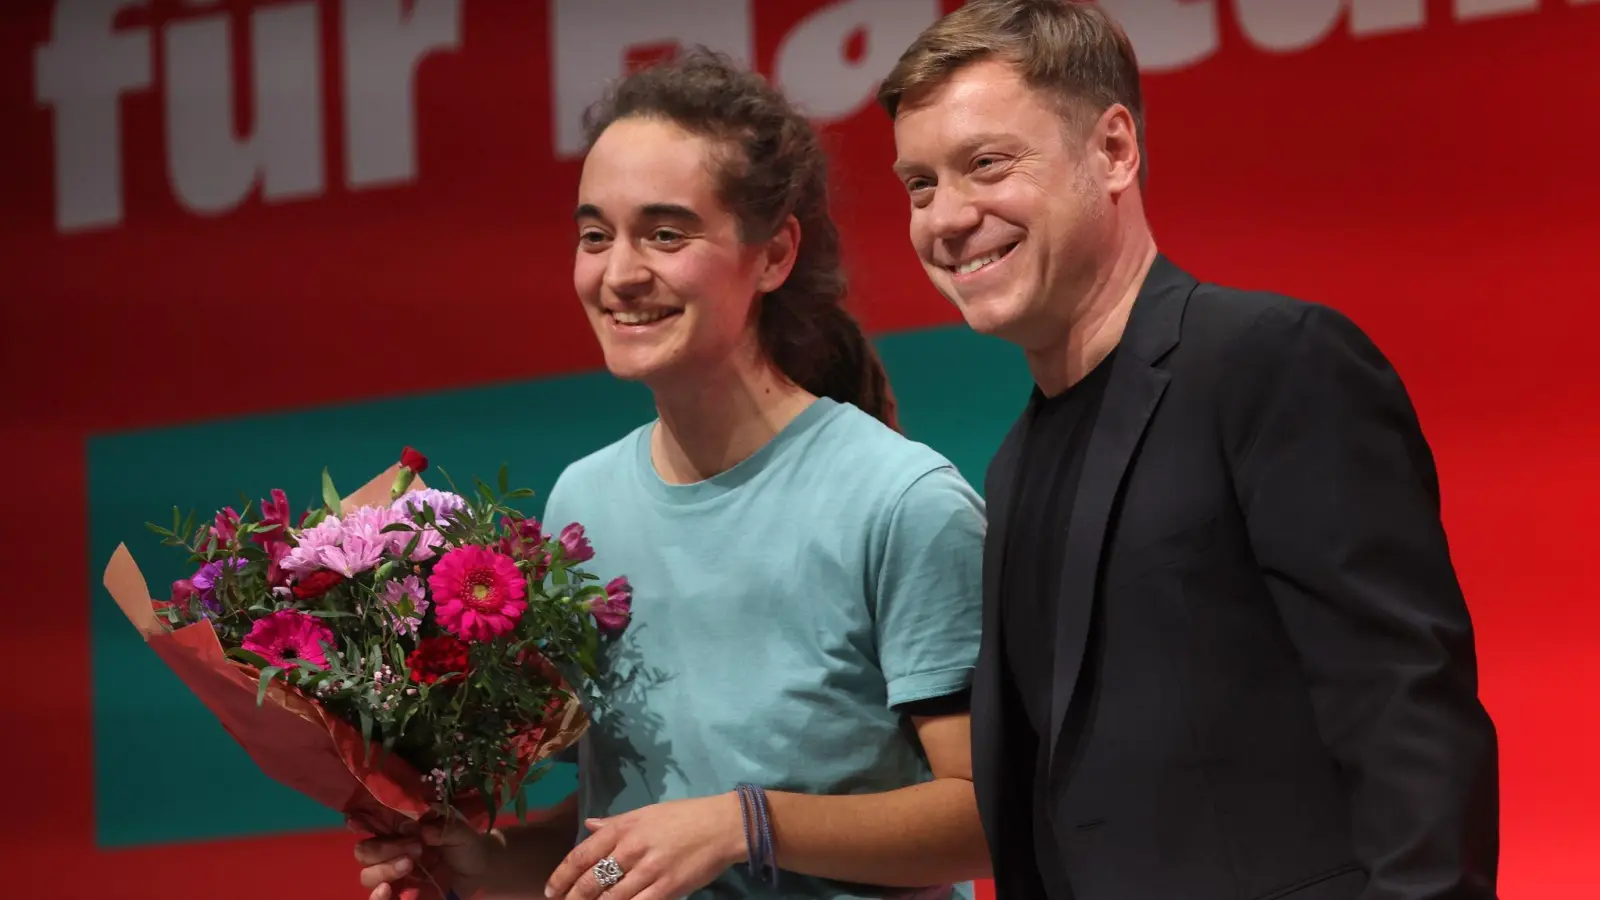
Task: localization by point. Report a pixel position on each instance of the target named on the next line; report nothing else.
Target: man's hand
(666, 851)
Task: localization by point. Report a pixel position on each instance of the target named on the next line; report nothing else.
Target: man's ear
(1115, 142)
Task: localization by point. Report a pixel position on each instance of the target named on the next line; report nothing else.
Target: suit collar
(1156, 320)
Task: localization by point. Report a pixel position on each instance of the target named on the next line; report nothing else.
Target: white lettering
(1467, 10)
(1284, 26)
(383, 43)
(81, 74)
(213, 170)
(594, 39)
(1373, 17)
(813, 66)
(1168, 34)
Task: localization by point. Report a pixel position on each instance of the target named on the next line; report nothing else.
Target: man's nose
(951, 213)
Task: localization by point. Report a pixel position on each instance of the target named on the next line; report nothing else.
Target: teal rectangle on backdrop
(165, 771)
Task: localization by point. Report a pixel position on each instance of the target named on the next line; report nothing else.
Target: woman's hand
(457, 858)
(666, 851)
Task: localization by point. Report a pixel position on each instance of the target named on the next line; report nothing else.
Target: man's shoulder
(1226, 311)
(1233, 322)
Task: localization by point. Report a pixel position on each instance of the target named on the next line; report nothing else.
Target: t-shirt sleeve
(928, 606)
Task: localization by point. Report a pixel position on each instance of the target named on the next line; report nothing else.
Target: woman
(807, 580)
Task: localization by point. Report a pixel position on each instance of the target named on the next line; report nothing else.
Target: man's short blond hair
(1071, 49)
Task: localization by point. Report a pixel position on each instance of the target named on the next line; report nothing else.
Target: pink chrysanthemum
(287, 635)
(307, 555)
(478, 594)
(369, 522)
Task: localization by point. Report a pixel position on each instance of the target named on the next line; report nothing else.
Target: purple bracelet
(758, 835)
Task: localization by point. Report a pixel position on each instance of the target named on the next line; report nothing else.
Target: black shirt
(1049, 466)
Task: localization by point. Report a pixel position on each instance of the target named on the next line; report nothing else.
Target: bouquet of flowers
(398, 654)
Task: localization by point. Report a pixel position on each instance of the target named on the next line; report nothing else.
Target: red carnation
(413, 460)
(436, 657)
(317, 583)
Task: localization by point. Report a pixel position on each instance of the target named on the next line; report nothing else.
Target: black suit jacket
(1265, 684)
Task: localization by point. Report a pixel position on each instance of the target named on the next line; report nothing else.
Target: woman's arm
(916, 836)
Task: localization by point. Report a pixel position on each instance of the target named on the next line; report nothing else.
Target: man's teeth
(973, 265)
(640, 317)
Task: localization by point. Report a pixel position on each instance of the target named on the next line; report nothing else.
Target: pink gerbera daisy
(478, 594)
(288, 635)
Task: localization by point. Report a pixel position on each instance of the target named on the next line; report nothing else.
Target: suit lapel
(1132, 394)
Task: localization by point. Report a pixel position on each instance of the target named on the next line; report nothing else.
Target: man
(1225, 652)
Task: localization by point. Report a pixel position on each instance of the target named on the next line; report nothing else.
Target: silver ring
(607, 872)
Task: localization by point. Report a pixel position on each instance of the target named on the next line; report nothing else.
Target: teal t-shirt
(781, 610)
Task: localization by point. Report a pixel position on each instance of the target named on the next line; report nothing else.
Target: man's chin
(992, 318)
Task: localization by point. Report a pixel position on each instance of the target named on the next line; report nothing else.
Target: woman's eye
(665, 236)
(591, 237)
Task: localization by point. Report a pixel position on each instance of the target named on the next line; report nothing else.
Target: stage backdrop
(242, 240)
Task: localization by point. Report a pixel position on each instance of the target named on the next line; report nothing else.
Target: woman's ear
(778, 256)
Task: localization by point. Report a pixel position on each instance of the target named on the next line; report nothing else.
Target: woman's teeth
(640, 317)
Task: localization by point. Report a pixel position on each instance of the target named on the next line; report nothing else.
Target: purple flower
(612, 612)
(574, 545)
(205, 581)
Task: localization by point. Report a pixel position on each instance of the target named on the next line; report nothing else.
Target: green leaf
(506, 787)
(518, 494)
(246, 657)
(411, 545)
(366, 732)
(330, 613)
(330, 497)
(267, 675)
(505, 478)
(405, 719)
(448, 480)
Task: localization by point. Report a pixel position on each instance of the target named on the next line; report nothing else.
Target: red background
(1439, 186)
